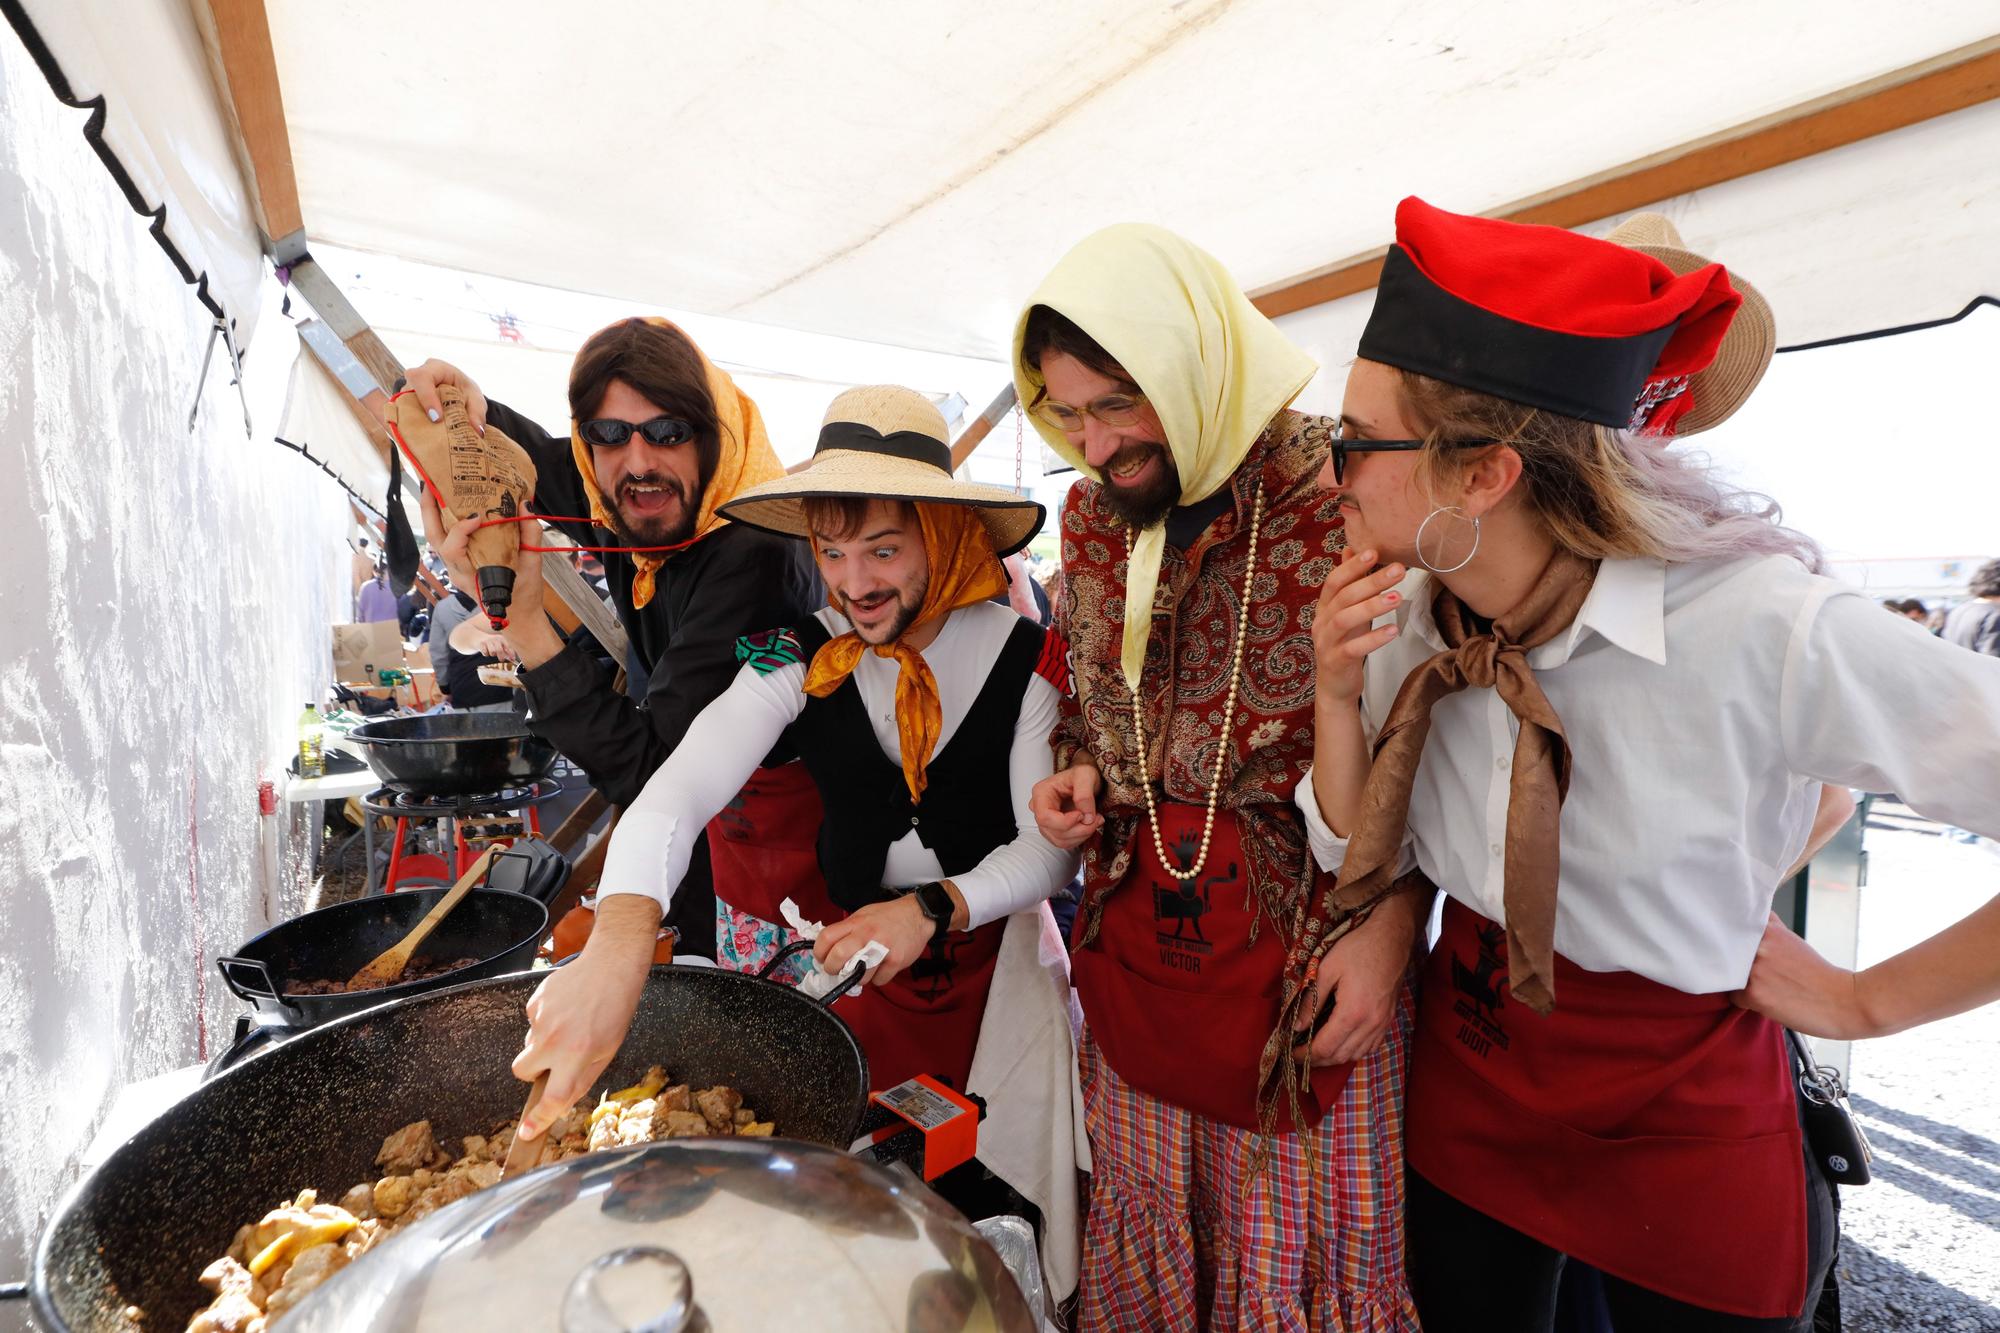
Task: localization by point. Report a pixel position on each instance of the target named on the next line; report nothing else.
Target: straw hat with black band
(1716, 391)
(884, 442)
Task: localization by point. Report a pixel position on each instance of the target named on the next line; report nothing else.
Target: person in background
(377, 600)
(413, 612)
(1023, 593)
(1975, 624)
(363, 563)
(457, 669)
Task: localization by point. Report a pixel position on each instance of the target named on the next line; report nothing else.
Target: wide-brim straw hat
(884, 442)
(1746, 350)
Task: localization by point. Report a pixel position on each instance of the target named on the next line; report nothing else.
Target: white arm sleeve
(1018, 874)
(1871, 701)
(650, 848)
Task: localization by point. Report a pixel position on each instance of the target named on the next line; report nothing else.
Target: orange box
(948, 1121)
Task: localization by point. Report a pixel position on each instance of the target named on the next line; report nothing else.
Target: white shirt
(725, 744)
(1704, 704)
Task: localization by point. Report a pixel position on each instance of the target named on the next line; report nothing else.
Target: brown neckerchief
(1495, 660)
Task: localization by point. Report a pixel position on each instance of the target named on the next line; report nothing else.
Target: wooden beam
(239, 36)
(1908, 96)
(331, 304)
(982, 426)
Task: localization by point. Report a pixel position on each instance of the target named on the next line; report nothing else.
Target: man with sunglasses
(1247, 1171)
(660, 439)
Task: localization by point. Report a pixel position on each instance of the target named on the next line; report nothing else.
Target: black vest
(968, 805)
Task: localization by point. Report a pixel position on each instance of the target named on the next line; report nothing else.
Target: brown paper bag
(486, 475)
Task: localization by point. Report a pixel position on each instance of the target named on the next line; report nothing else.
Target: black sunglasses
(610, 433)
(1343, 446)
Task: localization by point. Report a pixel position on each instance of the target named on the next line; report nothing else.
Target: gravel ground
(1921, 1242)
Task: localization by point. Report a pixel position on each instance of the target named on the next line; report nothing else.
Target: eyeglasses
(1113, 409)
(1343, 445)
(610, 433)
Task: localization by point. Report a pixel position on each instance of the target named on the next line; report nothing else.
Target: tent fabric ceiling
(162, 131)
(904, 171)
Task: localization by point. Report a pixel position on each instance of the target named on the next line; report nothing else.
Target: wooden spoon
(526, 1156)
(390, 964)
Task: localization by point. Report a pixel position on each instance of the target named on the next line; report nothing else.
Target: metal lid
(688, 1236)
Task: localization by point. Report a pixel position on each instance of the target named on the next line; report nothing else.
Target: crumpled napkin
(819, 981)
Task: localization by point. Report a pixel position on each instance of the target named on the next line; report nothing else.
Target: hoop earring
(1446, 509)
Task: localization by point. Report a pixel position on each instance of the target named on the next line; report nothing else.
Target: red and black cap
(1542, 316)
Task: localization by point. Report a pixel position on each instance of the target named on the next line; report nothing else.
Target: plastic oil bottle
(312, 744)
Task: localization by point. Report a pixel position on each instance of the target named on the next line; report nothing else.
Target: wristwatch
(934, 901)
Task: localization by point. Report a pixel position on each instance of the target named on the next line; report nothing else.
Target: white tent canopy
(904, 171)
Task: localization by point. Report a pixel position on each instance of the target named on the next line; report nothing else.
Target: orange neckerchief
(964, 570)
(745, 459)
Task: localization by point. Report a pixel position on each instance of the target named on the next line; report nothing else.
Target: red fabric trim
(1052, 665)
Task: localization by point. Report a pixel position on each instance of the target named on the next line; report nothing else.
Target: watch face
(934, 901)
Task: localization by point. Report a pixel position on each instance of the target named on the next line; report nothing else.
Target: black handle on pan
(258, 976)
(840, 988)
(13, 1291)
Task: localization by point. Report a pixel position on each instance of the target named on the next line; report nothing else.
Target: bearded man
(1230, 1140)
(659, 439)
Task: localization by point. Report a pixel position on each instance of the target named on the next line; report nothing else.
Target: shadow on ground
(1879, 1295)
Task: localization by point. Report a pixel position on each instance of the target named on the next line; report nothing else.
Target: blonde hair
(1602, 493)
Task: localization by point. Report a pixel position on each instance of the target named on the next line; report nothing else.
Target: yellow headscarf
(1213, 367)
(963, 570)
(744, 459)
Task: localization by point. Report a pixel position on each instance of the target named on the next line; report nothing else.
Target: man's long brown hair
(663, 366)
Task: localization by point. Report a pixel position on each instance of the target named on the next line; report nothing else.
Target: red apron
(762, 847)
(926, 1021)
(1648, 1132)
(1177, 997)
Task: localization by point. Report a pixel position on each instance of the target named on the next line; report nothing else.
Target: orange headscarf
(964, 570)
(744, 460)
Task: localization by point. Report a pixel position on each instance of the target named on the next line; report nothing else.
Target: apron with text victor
(1176, 995)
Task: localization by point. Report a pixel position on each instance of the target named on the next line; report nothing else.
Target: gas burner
(395, 802)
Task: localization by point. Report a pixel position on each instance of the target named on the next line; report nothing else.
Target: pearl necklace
(1228, 710)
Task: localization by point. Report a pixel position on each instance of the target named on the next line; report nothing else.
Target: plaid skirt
(1173, 1244)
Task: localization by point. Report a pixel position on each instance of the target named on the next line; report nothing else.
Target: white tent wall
(1829, 240)
(164, 598)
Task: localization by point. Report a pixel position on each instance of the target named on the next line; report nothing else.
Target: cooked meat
(239, 1300)
(312, 1267)
(274, 1263)
(684, 1125)
(408, 1148)
(360, 1201)
(719, 1105)
(420, 969)
(394, 1194)
(756, 1129)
